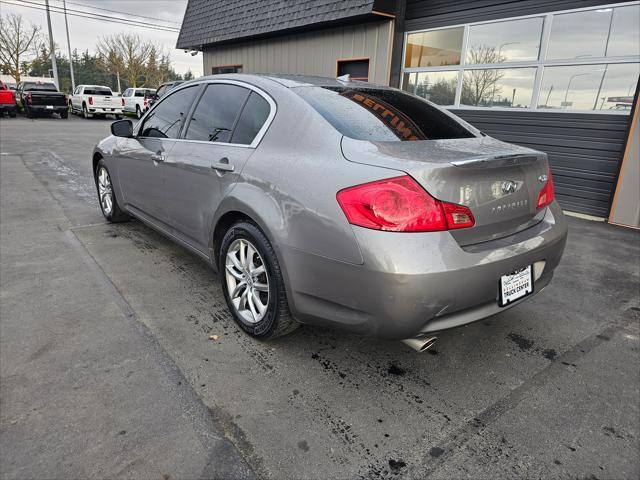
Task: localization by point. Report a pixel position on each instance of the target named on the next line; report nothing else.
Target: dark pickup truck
(41, 98)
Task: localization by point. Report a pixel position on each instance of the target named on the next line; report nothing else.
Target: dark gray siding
(584, 150)
(439, 13)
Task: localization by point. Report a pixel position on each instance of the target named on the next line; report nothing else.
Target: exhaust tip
(420, 344)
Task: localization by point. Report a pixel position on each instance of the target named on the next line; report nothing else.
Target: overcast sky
(84, 32)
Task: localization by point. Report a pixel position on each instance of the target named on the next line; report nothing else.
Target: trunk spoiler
(496, 161)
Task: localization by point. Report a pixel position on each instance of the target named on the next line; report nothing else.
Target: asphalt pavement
(107, 370)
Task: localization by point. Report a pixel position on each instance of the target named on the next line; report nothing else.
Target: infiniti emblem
(508, 186)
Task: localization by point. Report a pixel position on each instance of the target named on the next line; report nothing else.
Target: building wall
(311, 53)
(585, 149)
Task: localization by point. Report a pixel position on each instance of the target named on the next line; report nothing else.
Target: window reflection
(434, 49)
(580, 34)
(437, 87)
(511, 41)
(625, 32)
(589, 87)
(498, 87)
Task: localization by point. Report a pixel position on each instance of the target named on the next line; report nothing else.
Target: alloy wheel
(247, 280)
(105, 191)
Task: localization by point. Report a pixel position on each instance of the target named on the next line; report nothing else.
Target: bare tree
(126, 54)
(16, 39)
(481, 86)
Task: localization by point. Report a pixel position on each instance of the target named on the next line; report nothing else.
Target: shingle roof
(215, 21)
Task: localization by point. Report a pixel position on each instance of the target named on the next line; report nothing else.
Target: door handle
(156, 157)
(223, 165)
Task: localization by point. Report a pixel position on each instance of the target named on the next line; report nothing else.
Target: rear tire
(255, 274)
(28, 112)
(138, 112)
(12, 114)
(85, 112)
(64, 115)
(118, 117)
(107, 196)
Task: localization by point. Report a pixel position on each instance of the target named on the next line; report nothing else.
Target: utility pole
(52, 48)
(66, 24)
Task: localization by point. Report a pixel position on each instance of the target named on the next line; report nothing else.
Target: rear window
(47, 87)
(382, 115)
(97, 91)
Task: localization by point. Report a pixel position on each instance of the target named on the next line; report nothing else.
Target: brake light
(547, 194)
(145, 101)
(400, 204)
(122, 102)
(90, 100)
(28, 98)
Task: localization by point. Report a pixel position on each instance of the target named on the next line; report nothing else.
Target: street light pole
(66, 24)
(52, 48)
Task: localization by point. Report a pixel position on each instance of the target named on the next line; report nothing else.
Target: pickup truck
(136, 100)
(7, 101)
(94, 100)
(41, 97)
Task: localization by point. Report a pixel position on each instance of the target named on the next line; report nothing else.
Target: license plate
(50, 107)
(515, 286)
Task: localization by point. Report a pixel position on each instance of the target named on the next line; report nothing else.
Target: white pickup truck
(90, 100)
(136, 100)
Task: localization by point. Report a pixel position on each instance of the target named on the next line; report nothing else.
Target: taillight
(123, 102)
(28, 98)
(145, 101)
(547, 194)
(400, 205)
(90, 100)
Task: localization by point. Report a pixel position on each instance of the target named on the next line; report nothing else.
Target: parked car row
(38, 98)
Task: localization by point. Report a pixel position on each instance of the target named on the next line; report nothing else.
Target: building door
(358, 68)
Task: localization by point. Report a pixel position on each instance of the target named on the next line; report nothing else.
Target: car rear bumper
(46, 109)
(8, 107)
(106, 110)
(417, 283)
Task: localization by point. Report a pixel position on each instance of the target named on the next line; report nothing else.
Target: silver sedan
(337, 203)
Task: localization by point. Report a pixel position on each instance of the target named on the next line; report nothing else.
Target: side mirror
(122, 128)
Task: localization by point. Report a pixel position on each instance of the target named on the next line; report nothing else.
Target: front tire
(252, 283)
(107, 197)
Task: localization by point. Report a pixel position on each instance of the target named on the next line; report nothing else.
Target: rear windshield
(382, 115)
(97, 91)
(47, 87)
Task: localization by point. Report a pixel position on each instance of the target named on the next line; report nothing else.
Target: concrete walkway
(86, 391)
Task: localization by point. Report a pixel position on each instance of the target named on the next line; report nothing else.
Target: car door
(207, 161)
(141, 166)
(76, 98)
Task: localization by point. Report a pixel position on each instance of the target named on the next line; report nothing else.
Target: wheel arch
(97, 156)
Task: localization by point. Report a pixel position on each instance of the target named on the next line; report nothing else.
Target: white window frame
(538, 64)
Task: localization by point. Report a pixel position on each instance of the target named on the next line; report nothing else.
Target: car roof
(294, 81)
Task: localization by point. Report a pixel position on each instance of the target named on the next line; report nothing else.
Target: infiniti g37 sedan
(337, 203)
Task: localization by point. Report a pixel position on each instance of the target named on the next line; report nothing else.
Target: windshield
(47, 87)
(378, 114)
(97, 91)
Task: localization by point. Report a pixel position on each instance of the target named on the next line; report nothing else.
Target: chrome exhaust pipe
(420, 344)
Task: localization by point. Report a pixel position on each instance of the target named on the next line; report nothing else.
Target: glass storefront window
(625, 33)
(437, 87)
(434, 49)
(511, 41)
(587, 59)
(498, 87)
(580, 34)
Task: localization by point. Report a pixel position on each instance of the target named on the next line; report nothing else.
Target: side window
(216, 113)
(127, 93)
(254, 114)
(139, 93)
(166, 119)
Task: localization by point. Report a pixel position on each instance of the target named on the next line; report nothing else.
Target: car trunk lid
(497, 181)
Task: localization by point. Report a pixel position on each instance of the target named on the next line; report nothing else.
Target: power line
(99, 15)
(120, 12)
(92, 16)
